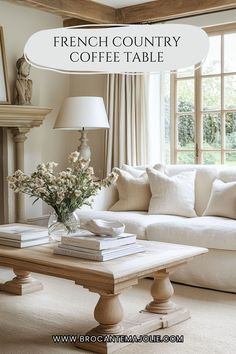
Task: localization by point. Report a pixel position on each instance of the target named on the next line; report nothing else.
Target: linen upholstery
(205, 175)
(222, 200)
(172, 195)
(227, 174)
(136, 171)
(134, 193)
(206, 231)
(214, 270)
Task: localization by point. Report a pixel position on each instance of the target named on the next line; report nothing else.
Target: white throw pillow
(172, 195)
(134, 193)
(160, 168)
(222, 201)
(137, 171)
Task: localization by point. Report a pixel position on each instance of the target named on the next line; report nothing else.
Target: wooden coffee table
(108, 279)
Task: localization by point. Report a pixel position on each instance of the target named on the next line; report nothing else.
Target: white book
(94, 257)
(96, 252)
(24, 244)
(23, 232)
(97, 242)
(86, 233)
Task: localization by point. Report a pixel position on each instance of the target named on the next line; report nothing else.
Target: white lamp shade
(82, 112)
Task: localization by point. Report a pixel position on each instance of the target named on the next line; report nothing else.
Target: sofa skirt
(214, 270)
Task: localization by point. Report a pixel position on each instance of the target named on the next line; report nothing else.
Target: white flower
(50, 166)
(42, 168)
(78, 193)
(11, 179)
(18, 173)
(39, 182)
(42, 192)
(73, 157)
(90, 170)
(63, 174)
(12, 185)
(53, 188)
(82, 164)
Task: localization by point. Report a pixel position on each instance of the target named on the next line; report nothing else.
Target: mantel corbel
(20, 119)
(19, 134)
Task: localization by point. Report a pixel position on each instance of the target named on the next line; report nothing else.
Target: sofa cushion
(172, 195)
(135, 222)
(205, 175)
(223, 200)
(135, 171)
(227, 173)
(206, 231)
(134, 193)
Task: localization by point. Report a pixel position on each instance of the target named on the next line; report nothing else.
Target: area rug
(28, 322)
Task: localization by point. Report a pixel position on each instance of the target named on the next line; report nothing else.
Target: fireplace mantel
(19, 119)
(22, 116)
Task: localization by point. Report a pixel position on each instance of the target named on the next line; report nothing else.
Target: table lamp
(80, 113)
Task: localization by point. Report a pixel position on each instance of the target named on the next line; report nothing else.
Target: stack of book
(23, 235)
(97, 248)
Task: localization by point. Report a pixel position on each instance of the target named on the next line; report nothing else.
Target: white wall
(49, 89)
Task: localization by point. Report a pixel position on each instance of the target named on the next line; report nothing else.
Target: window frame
(198, 113)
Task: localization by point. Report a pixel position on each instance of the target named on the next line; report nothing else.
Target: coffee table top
(157, 256)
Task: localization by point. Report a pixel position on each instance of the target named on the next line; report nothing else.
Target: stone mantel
(22, 116)
(19, 119)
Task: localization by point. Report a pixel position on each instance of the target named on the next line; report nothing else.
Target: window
(203, 105)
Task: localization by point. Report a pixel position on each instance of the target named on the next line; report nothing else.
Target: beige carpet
(27, 323)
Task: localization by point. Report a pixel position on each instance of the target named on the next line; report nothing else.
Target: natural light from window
(200, 106)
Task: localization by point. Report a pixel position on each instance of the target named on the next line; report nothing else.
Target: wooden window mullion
(222, 102)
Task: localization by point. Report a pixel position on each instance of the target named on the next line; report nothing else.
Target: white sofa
(215, 270)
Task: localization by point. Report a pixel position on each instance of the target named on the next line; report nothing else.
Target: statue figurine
(23, 88)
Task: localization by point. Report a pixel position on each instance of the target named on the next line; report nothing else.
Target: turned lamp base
(84, 148)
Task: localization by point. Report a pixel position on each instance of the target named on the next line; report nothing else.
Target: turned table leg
(162, 291)
(23, 283)
(108, 313)
(159, 313)
(167, 311)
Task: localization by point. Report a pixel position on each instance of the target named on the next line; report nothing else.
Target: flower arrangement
(64, 191)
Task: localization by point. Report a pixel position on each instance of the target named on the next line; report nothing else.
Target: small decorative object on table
(65, 191)
(102, 227)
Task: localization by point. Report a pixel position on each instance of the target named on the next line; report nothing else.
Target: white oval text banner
(125, 49)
